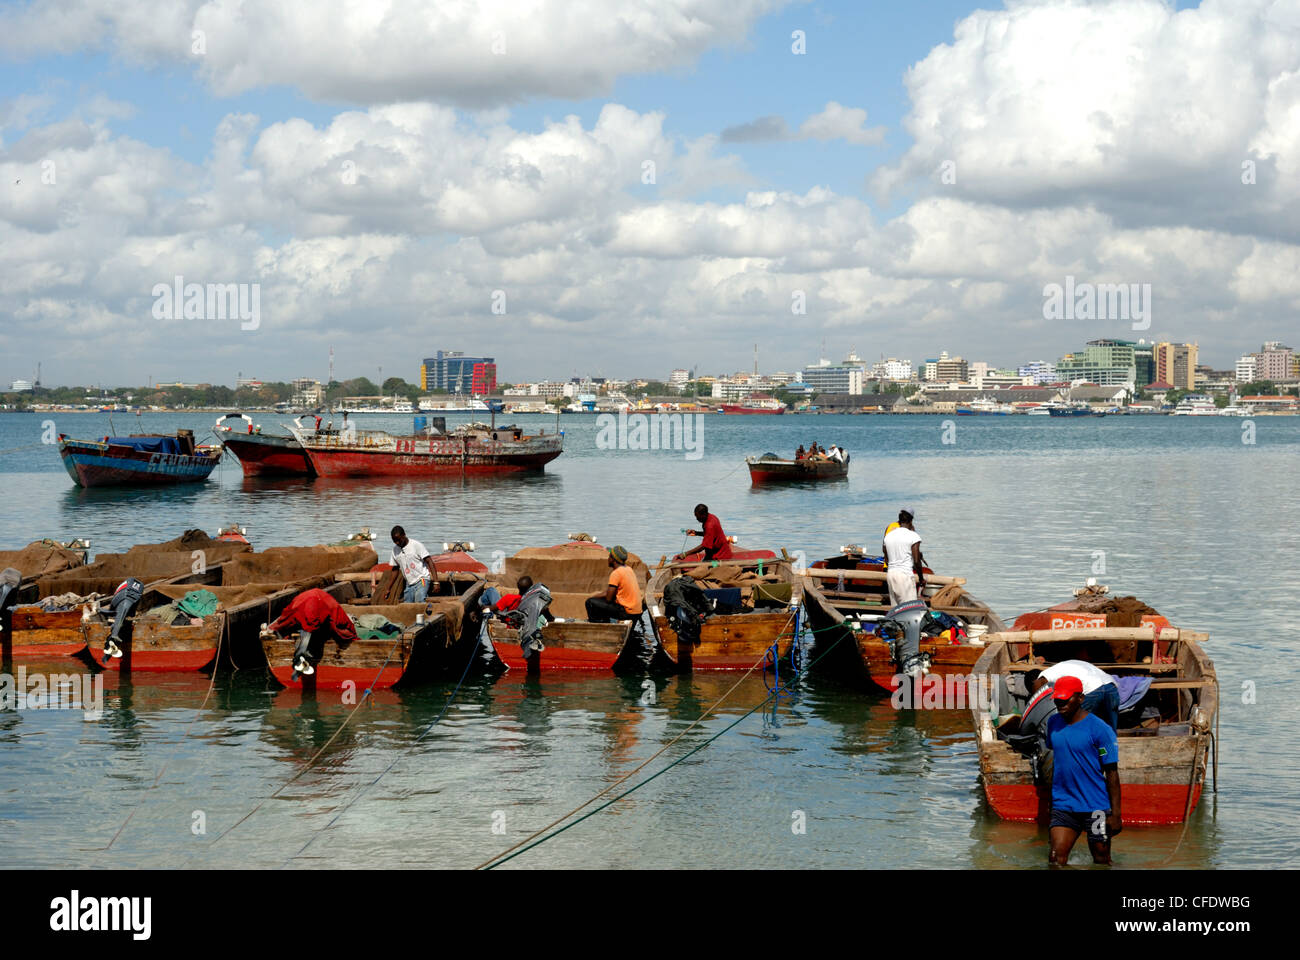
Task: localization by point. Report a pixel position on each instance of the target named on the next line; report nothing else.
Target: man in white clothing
(410, 557)
(902, 552)
(1100, 692)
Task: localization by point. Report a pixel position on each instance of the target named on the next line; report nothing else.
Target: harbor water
(1195, 515)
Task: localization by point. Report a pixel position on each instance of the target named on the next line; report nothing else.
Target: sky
(622, 187)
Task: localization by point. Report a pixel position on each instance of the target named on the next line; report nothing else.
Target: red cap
(1066, 687)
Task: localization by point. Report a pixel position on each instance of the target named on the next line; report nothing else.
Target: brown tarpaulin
(1119, 611)
(291, 564)
(39, 559)
(571, 571)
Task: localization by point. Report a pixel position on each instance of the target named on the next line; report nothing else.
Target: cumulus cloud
(470, 54)
(836, 122)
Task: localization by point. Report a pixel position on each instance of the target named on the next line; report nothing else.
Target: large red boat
(475, 448)
(263, 454)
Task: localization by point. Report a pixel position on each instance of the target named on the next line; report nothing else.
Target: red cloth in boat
(509, 601)
(311, 610)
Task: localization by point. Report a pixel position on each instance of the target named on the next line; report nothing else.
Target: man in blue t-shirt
(1085, 776)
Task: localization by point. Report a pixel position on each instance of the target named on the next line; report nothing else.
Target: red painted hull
(162, 661)
(750, 411)
(362, 463)
(269, 456)
(46, 649)
(1144, 804)
(557, 658)
(336, 678)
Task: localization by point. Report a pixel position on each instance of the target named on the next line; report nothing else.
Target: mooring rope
(316, 756)
(212, 681)
(475, 648)
(532, 840)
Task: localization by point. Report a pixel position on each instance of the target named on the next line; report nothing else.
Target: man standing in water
(410, 557)
(715, 544)
(1085, 776)
(901, 549)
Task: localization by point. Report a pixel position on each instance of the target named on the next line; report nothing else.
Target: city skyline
(785, 172)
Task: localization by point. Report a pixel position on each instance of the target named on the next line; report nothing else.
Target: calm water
(1183, 513)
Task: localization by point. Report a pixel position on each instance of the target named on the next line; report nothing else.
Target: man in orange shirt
(622, 597)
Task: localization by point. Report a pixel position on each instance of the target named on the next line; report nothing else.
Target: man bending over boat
(1100, 692)
(410, 557)
(715, 545)
(901, 549)
(316, 616)
(622, 597)
(1085, 776)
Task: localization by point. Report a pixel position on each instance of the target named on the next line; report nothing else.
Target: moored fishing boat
(847, 602)
(264, 454)
(769, 468)
(407, 643)
(184, 625)
(758, 403)
(1166, 725)
(743, 609)
(571, 572)
(138, 460)
(474, 448)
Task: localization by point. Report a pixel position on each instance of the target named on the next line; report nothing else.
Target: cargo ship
(264, 454)
(474, 448)
(757, 404)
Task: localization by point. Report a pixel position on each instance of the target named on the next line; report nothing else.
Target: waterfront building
(1039, 371)
(892, 369)
(834, 378)
(454, 372)
(1106, 362)
(1246, 368)
(307, 392)
(1175, 363)
(1274, 362)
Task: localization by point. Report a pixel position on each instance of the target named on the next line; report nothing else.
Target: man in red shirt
(715, 544)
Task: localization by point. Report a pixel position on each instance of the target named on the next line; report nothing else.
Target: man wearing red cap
(1085, 776)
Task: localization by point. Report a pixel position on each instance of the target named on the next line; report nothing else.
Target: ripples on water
(1182, 513)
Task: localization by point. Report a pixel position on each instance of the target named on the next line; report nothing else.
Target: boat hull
(569, 646)
(433, 456)
(33, 632)
(269, 456)
(734, 409)
(786, 471)
(106, 465)
(156, 646)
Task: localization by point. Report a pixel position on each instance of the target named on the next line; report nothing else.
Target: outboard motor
(123, 603)
(902, 625)
(10, 581)
(686, 606)
(302, 664)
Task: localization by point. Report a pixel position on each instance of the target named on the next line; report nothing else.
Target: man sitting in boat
(715, 545)
(800, 453)
(836, 454)
(622, 597)
(416, 565)
(316, 616)
(901, 549)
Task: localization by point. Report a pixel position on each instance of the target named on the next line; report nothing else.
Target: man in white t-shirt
(1100, 692)
(416, 566)
(902, 552)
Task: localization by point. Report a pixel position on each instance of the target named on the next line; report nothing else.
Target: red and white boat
(264, 454)
(472, 449)
(1163, 758)
(759, 403)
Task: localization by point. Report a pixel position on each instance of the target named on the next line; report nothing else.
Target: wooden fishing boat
(437, 637)
(471, 449)
(572, 572)
(846, 597)
(265, 454)
(1163, 757)
(769, 468)
(138, 460)
(250, 590)
(769, 597)
(41, 627)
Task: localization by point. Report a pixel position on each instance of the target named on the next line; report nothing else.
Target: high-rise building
(951, 369)
(834, 378)
(454, 372)
(1106, 362)
(307, 392)
(892, 369)
(1041, 371)
(1175, 363)
(679, 377)
(1273, 362)
(1246, 369)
